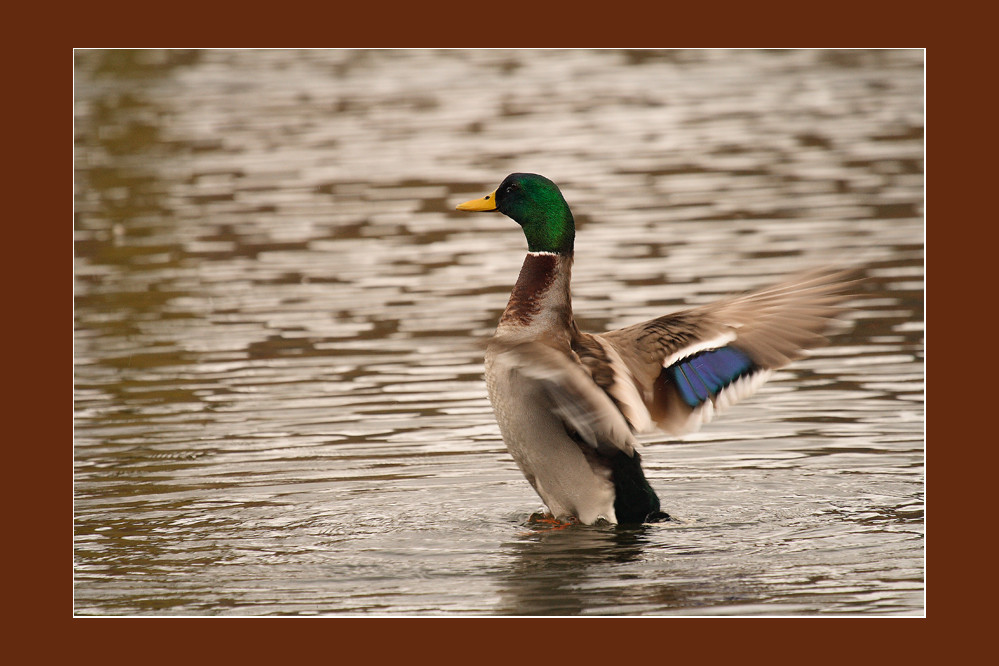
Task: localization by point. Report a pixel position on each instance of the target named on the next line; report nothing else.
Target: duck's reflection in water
(609, 570)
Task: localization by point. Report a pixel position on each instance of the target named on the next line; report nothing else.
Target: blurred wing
(676, 371)
(585, 409)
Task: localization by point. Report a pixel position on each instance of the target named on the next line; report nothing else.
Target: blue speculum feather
(706, 373)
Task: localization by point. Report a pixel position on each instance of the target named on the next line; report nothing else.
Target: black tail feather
(634, 499)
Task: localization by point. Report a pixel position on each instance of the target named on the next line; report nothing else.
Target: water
(279, 405)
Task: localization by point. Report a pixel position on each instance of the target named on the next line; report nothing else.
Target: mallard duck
(569, 403)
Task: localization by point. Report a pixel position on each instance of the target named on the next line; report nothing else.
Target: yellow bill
(487, 202)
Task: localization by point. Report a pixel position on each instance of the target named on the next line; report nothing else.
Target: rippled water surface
(279, 405)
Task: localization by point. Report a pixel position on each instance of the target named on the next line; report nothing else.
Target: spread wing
(676, 371)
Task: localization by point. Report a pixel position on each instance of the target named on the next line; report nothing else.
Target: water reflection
(554, 572)
(605, 570)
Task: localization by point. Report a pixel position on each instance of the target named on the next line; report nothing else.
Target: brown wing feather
(773, 326)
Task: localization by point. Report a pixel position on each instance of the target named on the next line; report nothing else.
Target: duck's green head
(537, 205)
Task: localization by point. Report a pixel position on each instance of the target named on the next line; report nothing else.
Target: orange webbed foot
(546, 521)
